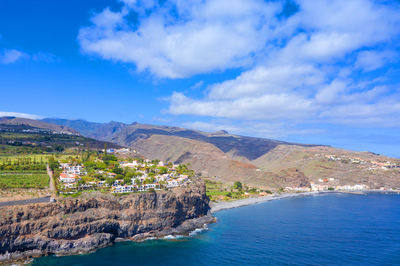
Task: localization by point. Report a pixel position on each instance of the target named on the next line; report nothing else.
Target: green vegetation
(217, 191)
(12, 180)
(22, 164)
(237, 185)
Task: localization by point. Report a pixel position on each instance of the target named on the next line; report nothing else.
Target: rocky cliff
(76, 225)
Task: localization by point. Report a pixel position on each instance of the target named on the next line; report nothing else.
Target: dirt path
(52, 186)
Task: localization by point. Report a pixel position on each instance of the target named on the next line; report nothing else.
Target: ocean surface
(329, 229)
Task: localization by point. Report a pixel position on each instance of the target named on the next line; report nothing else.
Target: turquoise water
(334, 229)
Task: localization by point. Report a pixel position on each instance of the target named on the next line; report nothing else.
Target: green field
(23, 180)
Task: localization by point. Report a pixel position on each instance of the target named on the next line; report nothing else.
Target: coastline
(224, 205)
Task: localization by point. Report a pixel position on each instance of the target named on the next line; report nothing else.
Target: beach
(223, 205)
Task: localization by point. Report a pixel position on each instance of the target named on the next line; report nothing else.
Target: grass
(24, 180)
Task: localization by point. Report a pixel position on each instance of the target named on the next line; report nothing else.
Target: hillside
(126, 134)
(21, 135)
(13, 122)
(257, 162)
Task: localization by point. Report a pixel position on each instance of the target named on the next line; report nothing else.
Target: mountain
(127, 134)
(31, 135)
(50, 127)
(257, 162)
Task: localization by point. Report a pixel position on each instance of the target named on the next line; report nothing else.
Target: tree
(81, 182)
(127, 181)
(237, 185)
(53, 164)
(162, 170)
(110, 181)
(117, 170)
(59, 148)
(100, 165)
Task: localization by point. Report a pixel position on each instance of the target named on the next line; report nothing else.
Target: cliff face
(82, 224)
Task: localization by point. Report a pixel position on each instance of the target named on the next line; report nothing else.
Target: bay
(331, 229)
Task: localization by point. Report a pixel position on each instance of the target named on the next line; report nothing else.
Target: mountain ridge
(249, 147)
(258, 162)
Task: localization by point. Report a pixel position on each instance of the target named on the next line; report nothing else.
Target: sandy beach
(218, 206)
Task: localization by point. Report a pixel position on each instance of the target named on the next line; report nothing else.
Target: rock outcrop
(78, 225)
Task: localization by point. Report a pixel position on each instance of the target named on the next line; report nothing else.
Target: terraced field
(24, 180)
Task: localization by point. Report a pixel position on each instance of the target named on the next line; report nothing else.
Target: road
(52, 186)
(28, 201)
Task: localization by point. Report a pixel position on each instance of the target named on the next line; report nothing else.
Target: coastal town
(371, 164)
(108, 173)
(327, 184)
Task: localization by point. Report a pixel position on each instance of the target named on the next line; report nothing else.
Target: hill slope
(50, 127)
(127, 134)
(28, 135)
(255, 161)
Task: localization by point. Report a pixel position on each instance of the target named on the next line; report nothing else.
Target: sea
(327, 229)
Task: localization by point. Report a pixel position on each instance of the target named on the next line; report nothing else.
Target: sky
(308, 71)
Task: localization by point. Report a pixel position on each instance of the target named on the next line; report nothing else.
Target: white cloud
(268, 79)
(21, 115)
(10, 56)
(372, 60)
(308, 76)
(204, 36)
(304, 68)
(330, 93)
(270, 106)
(198, 85)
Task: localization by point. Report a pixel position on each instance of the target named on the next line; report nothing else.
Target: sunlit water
(334, 229)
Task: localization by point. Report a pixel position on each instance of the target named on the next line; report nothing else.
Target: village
(327, 184)
(372, 165)
(121, 176)
(331, 184)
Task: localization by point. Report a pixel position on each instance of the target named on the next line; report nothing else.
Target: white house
(122, 189)
(133, 164)
(172, 183)
(68, 178)
(73, 169)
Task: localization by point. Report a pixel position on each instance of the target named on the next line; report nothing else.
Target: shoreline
(224, 205)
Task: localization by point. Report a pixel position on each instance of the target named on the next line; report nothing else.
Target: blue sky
(324, 72)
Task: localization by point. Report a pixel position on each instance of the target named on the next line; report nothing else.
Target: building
(68, 178)
(73, 169)
(172, 183)
(133, 164)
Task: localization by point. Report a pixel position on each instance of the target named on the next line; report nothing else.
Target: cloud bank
(303, 61)
(20, 115)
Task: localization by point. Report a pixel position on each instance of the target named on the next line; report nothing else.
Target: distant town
(372, 165)
(330, 184)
